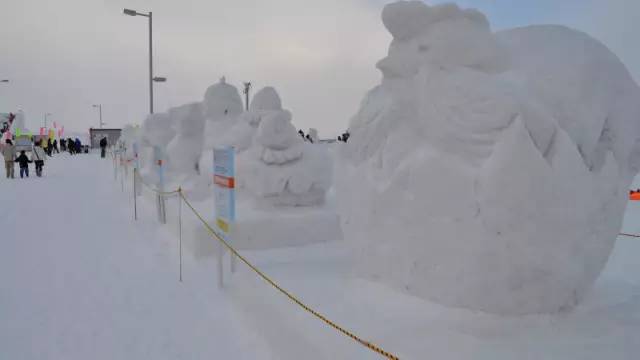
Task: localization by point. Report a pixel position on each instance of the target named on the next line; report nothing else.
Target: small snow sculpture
(489, 171)
(283, 170)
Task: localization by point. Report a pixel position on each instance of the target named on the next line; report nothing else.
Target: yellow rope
(291, 297)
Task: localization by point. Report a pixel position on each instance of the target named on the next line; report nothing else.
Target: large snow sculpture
(222, 105)
(264, 102)
(489, 171)
(282, 169)
(157, 132)
(185, 148)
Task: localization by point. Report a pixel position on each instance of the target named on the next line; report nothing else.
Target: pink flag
(55, 126)
(41, 131)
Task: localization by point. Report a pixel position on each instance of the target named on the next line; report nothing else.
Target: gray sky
(63, 56)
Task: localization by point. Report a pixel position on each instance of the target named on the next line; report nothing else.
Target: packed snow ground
(79, 279)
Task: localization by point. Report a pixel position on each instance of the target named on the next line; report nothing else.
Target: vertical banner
(52, 134)
(18, 132)
(225, 201)
(62, 131)
(41, 131)
(224, 189)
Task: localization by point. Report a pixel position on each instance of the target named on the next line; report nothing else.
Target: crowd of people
(39, 151)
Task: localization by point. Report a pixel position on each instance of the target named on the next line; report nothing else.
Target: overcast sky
(63, 56)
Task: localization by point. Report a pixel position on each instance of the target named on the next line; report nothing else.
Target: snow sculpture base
(269, 228)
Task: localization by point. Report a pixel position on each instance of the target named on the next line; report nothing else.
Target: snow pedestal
(474, 176)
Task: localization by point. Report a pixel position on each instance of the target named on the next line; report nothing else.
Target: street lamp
(45, 119)
(151, 78)
(247, 88)
(99, 107)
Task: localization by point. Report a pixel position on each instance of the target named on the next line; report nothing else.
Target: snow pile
(489, 171)
(282, 169)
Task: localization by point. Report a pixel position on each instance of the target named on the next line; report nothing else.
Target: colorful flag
(41, 131)
(18, 132)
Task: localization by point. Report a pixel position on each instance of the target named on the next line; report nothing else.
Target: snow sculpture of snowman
(489, 170)
(282, 169)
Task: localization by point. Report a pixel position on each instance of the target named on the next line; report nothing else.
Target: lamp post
(151, 77)
(99, 107)
(247, 88)
(45, 119)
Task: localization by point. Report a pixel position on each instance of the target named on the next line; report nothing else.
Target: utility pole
(99, 106)
(150, 62)
(247, 87)
(152, 79)
(45, 119)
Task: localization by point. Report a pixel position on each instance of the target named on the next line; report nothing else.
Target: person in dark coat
(71, 146)
(55, 146)
(63, 145)
(23, 161)
(78, 146)
(103, 147)
(49, 147)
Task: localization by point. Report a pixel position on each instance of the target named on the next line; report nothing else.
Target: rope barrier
(369, 345)
(629, 235)
(291, 297)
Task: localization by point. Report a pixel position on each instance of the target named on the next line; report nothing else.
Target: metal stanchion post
(135, 194)
(180, 228)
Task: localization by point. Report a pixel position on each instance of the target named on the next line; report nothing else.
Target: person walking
(55, 146)
(63, 145)
(38, 156)
(49, 147)
(103, 147)
(78, 146)
(24, 161)
(9, 154)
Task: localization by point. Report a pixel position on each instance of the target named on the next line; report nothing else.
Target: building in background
(96, 135)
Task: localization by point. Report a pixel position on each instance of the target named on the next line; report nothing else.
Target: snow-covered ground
(79, 279)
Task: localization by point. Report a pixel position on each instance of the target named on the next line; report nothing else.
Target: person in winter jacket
(9, 154)
(49, 147)
(38, 156)
(24, 161)
(103, 147)
(78, 146)
(63, 145)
